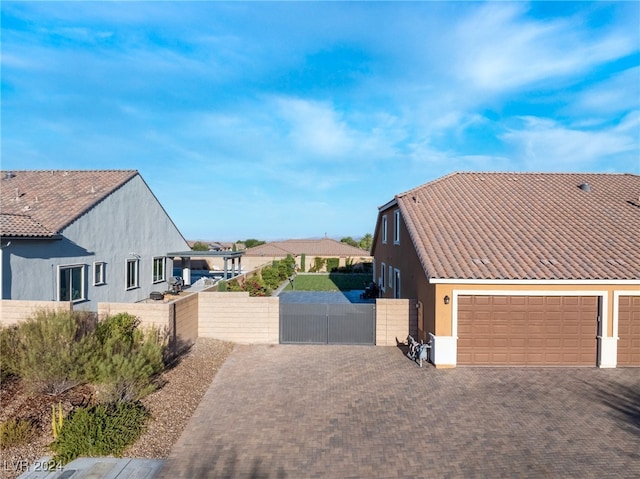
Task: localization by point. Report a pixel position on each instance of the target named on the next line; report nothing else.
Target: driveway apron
(348, 412)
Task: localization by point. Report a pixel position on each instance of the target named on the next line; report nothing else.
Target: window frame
(99, 277)
(383, 278)
(384, 229)
(397, 283)
(82, 289)
(396, 227)
(135, 283)
(163, 276)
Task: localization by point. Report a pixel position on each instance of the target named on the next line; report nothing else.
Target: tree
(200, 246)
(251, 242)
(349, 240)
(366, 242)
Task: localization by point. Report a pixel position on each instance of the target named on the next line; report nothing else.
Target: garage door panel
(629, 331)
(520, 330)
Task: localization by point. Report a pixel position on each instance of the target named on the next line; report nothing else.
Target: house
(305, 252)
(518, 268)
(83, 236)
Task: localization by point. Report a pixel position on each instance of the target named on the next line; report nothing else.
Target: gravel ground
(183, 386)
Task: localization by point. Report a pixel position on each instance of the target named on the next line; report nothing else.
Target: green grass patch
(329, 282)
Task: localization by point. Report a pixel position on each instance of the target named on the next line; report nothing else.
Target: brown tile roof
(43, 203)
(539, 226)
(324, 247)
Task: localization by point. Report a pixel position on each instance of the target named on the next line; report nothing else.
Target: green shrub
(332, 264)
(16, 431)
(271, 277)
(8, 352)
(101, 430)
(318, 264)
(48, 349)
(303, 261)
(123, 360)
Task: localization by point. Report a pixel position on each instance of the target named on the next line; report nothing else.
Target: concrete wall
(239, 318)
(227, 316)
(395, 320)
(13, 312)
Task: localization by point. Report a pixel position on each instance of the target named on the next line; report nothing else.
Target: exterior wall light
(447, 299)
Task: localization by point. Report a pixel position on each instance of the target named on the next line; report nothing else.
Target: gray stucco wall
(131, 220)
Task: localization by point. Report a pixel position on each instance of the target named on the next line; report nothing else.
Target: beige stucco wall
(395, 320)
(14, 311)
(238, 317)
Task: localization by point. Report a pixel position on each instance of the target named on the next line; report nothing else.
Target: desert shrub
(48, 348)
(234, 285)
(256, 287)
(124, 360)
(318, 264)
(14, 432)
(100, 430)
(332, 264)
(8, 351)
(271, 277)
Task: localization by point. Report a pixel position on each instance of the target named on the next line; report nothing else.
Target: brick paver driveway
(338, 412)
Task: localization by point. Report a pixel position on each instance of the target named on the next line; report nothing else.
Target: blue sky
(296, 120)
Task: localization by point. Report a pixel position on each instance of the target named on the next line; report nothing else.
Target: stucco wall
(239, 318)
(13, 312)
(130, 220)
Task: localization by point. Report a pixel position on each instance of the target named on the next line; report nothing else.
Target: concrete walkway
(368, 412)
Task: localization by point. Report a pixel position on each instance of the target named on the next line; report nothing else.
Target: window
(390, 277)
(396, 227)
(158, 269)
(71, 283)
(132, 273)
(98, 273)
(383, 278)
(384, 230)
(396, 280)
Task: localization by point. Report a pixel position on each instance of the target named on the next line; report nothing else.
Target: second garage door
(527, 330)
(629, 331)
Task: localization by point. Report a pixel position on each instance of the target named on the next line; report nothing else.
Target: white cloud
(497, 48)
(544, 144)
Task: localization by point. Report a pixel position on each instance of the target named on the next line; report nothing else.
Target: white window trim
(135, 261)
(390, 282)
(83, 292)
(384, 229)
(383, 282)
(396, 227)
(163, 277)
(397, 283)
(101, 280)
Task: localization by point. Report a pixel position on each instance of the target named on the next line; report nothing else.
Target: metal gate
(327, 323)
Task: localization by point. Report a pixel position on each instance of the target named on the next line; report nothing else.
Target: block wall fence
(228, 316)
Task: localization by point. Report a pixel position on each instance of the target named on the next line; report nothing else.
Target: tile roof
(540, 226)
(43, 203)
(325, 247)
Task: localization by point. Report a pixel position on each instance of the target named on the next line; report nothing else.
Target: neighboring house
(305, 251)
(83, 236)
(518, 268)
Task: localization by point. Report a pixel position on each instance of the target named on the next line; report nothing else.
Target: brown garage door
(527, 330)
(629, 331)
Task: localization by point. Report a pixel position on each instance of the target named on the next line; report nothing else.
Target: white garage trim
(561, 282)
(607, 348)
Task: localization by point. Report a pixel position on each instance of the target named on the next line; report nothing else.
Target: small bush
(332, 264)
(8, 352)
(14, 432)
(101, 430)
(123, 360)
(48, 349)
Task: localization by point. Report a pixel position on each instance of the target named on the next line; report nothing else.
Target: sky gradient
(295, 120)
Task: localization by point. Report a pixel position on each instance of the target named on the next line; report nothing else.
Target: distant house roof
(526, 226)
(40, 204)
(324, 247)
